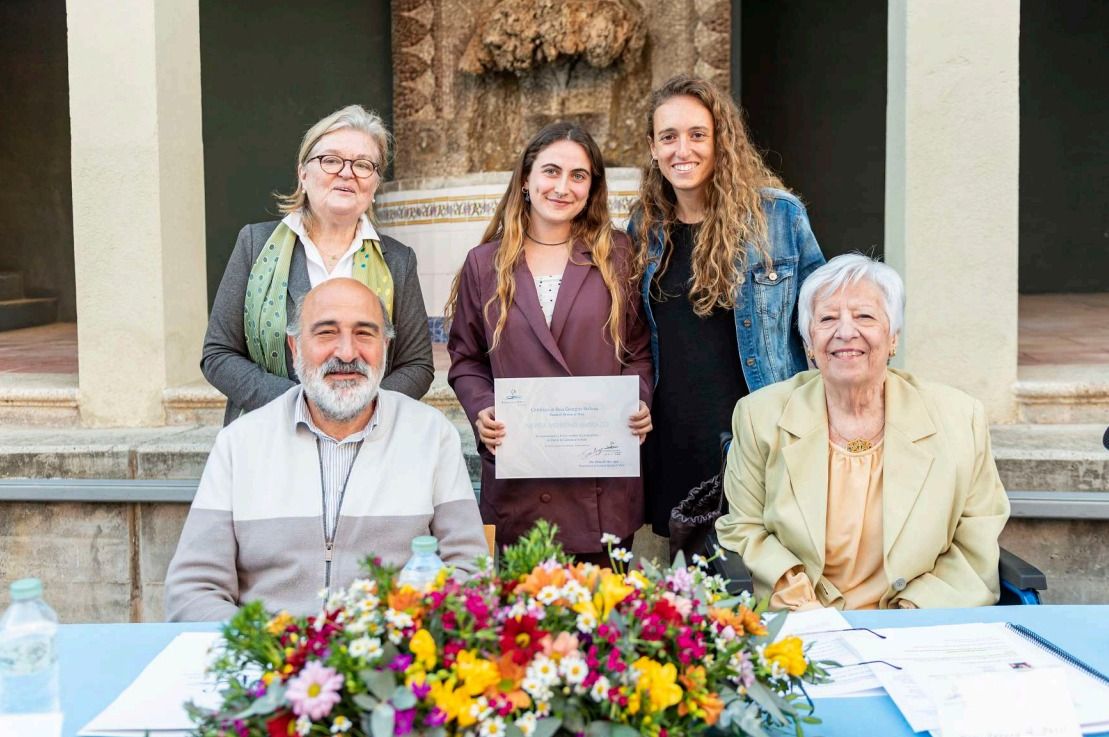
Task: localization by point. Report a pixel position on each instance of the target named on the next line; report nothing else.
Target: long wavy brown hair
(593, 225)
(733, 203)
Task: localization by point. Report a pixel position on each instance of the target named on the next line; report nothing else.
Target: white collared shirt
(317, 271)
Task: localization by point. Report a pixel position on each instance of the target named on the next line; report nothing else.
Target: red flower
(520, 638)
(280, 726)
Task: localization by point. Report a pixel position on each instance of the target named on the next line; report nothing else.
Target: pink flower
(314, 691)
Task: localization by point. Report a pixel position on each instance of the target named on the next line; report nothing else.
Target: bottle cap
(26, 588)
(425, 544)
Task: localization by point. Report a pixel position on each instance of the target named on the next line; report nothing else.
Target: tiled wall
(442, 219)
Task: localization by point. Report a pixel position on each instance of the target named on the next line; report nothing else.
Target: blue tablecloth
(99, 660)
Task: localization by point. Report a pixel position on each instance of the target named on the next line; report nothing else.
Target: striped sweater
(255, 529)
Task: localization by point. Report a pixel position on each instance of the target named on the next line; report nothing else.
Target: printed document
(826, 634)
(931, 658)
(155, 701)
(567, 427)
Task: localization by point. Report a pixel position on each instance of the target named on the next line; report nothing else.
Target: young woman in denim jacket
(722, 249)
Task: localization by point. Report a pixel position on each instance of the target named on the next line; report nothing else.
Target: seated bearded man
(297, 493)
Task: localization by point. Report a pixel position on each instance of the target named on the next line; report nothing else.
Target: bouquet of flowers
(542, 647)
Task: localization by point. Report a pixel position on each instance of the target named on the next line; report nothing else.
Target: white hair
(844, 270)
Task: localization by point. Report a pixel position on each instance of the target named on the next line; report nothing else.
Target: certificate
(567, 427)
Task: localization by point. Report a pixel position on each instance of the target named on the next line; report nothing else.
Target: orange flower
(742, 620)
(406, 599)
(539, 577)
(704, 705)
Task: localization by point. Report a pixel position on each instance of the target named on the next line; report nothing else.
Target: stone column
(138, 203)
(952, 125)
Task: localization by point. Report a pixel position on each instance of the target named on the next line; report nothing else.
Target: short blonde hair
(351, 116)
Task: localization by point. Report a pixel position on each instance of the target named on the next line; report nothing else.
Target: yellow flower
(277, 625)
(476, 674)
(268, 676)
(453, 702)
(659, 683)
(423, 647)
(789, 654)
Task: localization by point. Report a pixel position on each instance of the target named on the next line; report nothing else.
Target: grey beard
(342, 401)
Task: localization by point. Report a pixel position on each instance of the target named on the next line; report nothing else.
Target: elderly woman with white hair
(856, 485)
(326, 233)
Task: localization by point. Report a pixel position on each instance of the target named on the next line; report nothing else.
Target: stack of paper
(826, 634)
(155, 702)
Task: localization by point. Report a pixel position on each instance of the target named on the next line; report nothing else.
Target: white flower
(395, 636)
(518, 610)
(341, 724)
(574, 592)
(599, 692)
(548, 595)
(543, 707)
(303, 724)
(586, 622)
(480, 710)
(544, 670)
(400, 620)
(334, 602)
(622, 555)
(492, 728)
(573, 669)
(609, 539)
(322, 593)
(700, 561)
(368, 648)
(536, 689)
(526, 723)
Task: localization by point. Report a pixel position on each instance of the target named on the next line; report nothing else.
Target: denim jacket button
(750, 362)
(772, 276)
(746, 323)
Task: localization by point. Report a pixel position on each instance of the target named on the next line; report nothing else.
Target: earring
(893, 351)
(811, 355)
(527, 195)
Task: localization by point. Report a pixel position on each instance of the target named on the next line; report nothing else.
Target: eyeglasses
(362, 168)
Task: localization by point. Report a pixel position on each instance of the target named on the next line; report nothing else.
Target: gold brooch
(858, 445)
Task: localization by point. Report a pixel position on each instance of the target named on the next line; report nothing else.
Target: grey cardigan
(227, 366)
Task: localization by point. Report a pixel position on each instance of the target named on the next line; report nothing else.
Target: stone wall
(453, 122)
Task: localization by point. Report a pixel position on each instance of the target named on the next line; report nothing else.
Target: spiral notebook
(1058, 652)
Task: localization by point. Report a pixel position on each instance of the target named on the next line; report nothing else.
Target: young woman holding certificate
(548, 294)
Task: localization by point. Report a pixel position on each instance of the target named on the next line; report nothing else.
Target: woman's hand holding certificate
(569, 427)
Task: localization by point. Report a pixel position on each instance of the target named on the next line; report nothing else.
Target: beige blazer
(943, 505)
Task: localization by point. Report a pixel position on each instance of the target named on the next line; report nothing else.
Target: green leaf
(365, 702)
(380, 683)
(623, 730)
(271, 702)
(511, 730)
(649, 569)
(403, 698)
(765, 698)
(599, 728)
(382, 720)
(775, 626)
(546, 727)
(679, 561)
(730, 603)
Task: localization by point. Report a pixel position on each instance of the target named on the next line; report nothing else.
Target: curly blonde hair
(733, 202)
(592, 225)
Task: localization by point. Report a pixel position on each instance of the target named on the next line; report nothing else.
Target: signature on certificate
(611, 450)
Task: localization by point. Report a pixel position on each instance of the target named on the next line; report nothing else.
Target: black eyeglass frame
(374, 166)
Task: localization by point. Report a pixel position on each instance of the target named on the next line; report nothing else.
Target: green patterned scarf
(264, 317)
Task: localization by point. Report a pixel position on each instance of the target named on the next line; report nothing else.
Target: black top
(699, 381)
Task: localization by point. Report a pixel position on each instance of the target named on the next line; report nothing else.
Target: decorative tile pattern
(468, 209)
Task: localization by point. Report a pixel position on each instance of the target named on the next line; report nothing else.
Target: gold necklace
(859, 445)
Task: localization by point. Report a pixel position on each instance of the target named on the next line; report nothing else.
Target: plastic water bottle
(28, 660)
(423, 567)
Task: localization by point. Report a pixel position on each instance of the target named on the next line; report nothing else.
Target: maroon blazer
(576, 344)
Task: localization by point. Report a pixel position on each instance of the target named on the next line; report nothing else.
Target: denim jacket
(770, 348)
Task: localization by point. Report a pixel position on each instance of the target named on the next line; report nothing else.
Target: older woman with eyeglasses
(326, 233)
(858, 486)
